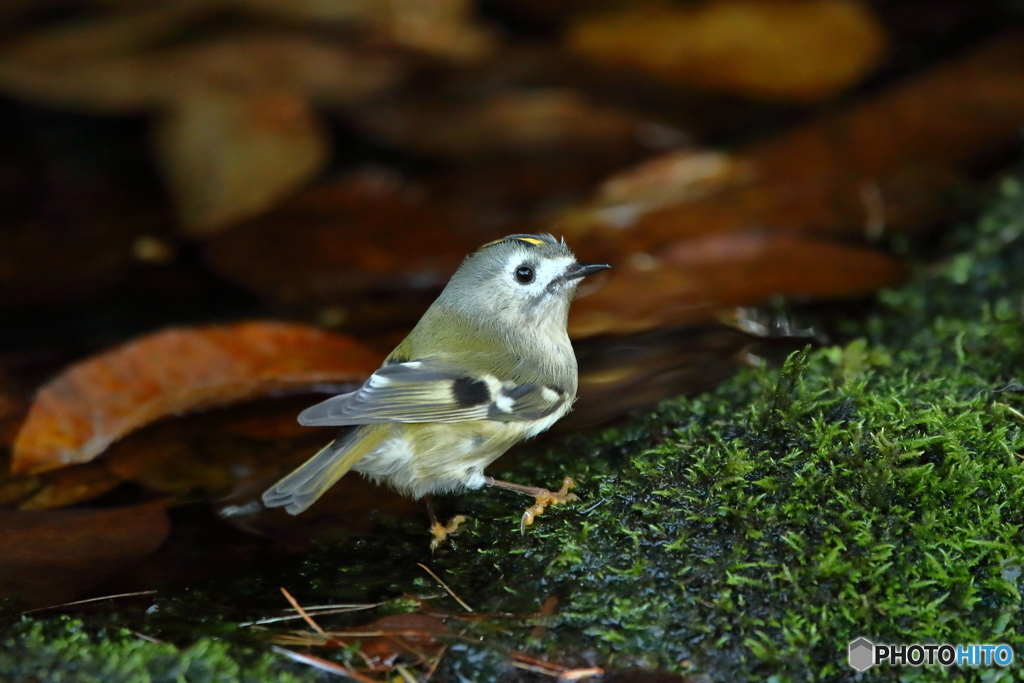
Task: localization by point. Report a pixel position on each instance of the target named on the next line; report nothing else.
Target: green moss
(66, 650)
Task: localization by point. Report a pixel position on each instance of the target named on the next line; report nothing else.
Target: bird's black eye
(524, 275)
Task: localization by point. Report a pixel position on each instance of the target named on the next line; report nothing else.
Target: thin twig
(579, 674)
(445, 586)
(434, 664)
(322, 664)
(318, 611)
(149, 639)
(553, 669)
(540, 666)
(88, 600)
(298, 608)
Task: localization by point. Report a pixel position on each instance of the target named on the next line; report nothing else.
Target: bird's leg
(543, 496)
(440, 531)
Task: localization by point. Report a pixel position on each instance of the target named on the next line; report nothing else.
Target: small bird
(488, 365)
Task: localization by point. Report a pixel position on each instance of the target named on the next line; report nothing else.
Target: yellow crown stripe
(528, 240)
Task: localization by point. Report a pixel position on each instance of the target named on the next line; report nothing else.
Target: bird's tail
(309, 481)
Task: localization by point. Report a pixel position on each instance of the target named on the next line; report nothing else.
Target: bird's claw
(442, 531)
(546, 498)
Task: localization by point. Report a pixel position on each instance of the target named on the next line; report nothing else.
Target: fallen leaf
(72, 485)
(402, 636)
(229, 157)
(15, 488)
(620, 374)
(694, 279)
(447, 29)
(363, 233)
(107, 35)
(198, 456)
(673, 178)
(801, 51)
(242, 62)
(53, 556)
(509, 122)
(882, 166)
(391, 640)
(81, 412)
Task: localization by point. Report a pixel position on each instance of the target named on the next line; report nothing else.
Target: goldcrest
(488, 365)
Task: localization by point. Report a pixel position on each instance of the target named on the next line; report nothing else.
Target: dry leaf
(358, 234)
(246, 62)
(694, 279)
(70, 486)
(781, 49)
(198, 456)
(441, 28)
(511, 122)
(106, 36)
(78, 414)
(623, 374)
(228, 157)
(885, 165)
(15, 488)
(384, 643)
(53, 556)
(672, 178)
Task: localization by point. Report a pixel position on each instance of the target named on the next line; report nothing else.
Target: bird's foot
(442, 531)
(545, 498)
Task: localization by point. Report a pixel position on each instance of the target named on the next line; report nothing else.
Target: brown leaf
(241, 63)
(229, 157)
(764, 48)
(72, 485)
(391, 640)
(403, 635)
(694, 279)
(78, 414)
(53, 556)
(884, 165)
(357, 234)
(516, 123)
(627, 373)
(105, 36)
(15, 488)
(441, 28)
(195, 455)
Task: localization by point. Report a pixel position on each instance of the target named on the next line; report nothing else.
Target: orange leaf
(884, 165)
(694, 279)
(78, 414)
(801, 51)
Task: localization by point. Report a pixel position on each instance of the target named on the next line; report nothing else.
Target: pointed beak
(581, 270)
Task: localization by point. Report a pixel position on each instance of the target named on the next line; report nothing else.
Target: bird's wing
(426, 391)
